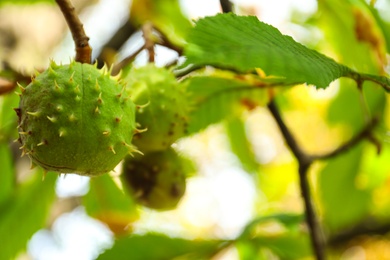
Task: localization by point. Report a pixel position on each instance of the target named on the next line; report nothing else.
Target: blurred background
(226, 191)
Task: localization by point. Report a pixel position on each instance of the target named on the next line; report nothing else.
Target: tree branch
(226, 6)
(368, 227)
(125, 61)
(304, 161)
(360, 78)
(9, 78)
(83, 50)
(364, 134)
(316, 236)
(6, 86)
(288, 136)
(164, 41)
(116, 41)
(147, 30)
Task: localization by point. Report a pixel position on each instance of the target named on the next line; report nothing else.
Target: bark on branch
(83, 50)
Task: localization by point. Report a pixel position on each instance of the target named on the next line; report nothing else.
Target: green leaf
(24, 213)
(157, 247)
(291, 243)
(8, 118)
(166, 15)
(383, 25)
(248, 251)
(106, 202)
(375, 168)
(346, 108)
(244, 43)
(7, 174)
(215, 99)
(239, 144)
(343, 202)
(338, 20)
(286, 246)
(288, 220)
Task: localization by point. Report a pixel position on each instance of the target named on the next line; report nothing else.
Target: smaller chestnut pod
(163, 107)
(157, 179)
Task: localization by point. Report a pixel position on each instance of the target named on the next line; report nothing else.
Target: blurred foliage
(8, 172)
(25, 2)
(234, 65)
(217, 98)
(340, 180)
(107, 202)
(240, 145)
(157, 246)
(254, 242)
(166, 15)
(25, 212)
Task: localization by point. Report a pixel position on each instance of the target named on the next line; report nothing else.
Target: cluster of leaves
(252, 63)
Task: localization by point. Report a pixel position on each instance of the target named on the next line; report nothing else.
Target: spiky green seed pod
(163, 107)
(75, 119)
(158, 179)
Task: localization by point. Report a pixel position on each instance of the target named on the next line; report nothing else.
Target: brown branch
(367, 227)
(360, 78)
(124, 33)
(226, 6)
(126, 61)
(304, 161)
(164, 41)
(116, 41)
(187, 70)
(83, 50)
(9, 79)
(316, 236)
(172, 63)
(9, 85)
(147, 30)
(6, 86)
(365, 133)
(288, 136)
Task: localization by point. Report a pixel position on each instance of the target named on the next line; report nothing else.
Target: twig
(83, 50)
(226, 6)
(166, 42)
(289, 138)
(6, 86)
(367, 227)
(117, 41)
(171, 63)
(147, 30)
(382, 81)
(9, 78)
(124, 33)
(304, 161)
(187, 70)
(317, 238)
(126, 61)
(364, 134)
